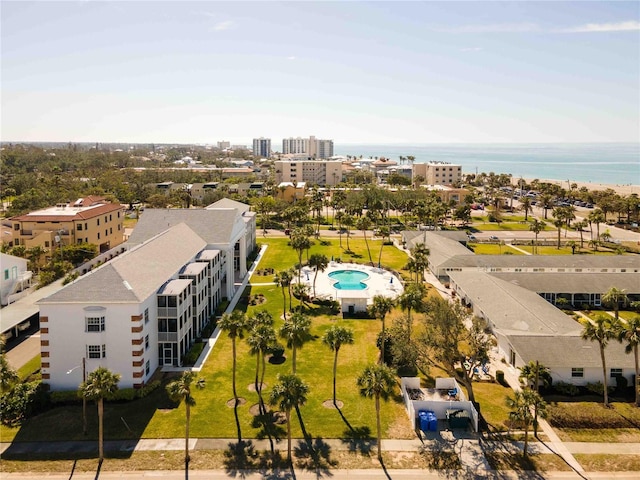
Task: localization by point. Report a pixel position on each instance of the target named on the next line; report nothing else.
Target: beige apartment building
(87, 220)
(312, 172)
(437, 173)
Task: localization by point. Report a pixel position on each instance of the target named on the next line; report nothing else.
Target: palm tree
(383, 232)
(283, 280)
(319, 262)
(100, 384)
(596, 217)
(629, 331)
(420, 256)
(520, 405)
(580, 226)
(616, 297)
(261, 338)
(536, 227)
(335, 337)
(377, 381)
(364, 224)
(412, 299)
(348, 221)
(533, 372)
(234, 324)
(380, 307)
(290, 392)
(600, 330)
(299, 242)
(180, 390)
(295, 331)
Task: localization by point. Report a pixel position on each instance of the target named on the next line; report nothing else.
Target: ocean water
(611, 163)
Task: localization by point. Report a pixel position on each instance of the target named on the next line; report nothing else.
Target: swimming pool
(349, 279)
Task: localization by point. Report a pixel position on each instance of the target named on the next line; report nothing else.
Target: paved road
(25, 351)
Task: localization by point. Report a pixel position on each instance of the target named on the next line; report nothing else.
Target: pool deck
(380, 282)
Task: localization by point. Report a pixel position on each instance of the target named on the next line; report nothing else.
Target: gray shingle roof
(136, 274)
(553, 352)
(229, 203)
(213, 226)
(595, 262)
(512, 309)
(572, 282)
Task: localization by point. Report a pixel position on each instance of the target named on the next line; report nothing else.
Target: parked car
(472, 238)
(493, 238)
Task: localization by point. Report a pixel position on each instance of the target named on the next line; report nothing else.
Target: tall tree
(319, 262)
(380, 307)
(299, 242)
(100, 384)
(295, 331)
(283, 280)
(384, 232)
(615, 297)
(180, 390)
(334, 338)
(364, 224)
(261, 339)
(420, 256)
(348, 222)
(629, 332)
(290, 392)
(521, 405)
(536, 227)
(234, 324)
(377, 381)
(8, 376)
(448, 344)
(600, 330)
(412, 299)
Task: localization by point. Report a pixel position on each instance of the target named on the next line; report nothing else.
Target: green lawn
(628, 314)
(156, 417)
(492, 398)
(493, 249)
(29, 368)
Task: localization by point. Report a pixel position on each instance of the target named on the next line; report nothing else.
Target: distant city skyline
(353, 72)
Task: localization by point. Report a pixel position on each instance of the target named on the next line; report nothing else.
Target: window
(577, 372)
(94, 324)
(79, 227)
(98, 235)
(6, 274)
(146, 342)
(616, 372)
(96, 351)
(46, 243)
(147, 368)
(98, 221)
(16, 226)
(146, 315)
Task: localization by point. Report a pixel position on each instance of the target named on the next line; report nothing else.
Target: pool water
(349, 279)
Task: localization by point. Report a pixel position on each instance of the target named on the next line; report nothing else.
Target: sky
(354, 72)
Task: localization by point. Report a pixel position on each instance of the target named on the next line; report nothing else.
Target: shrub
(277, 351)
(598, 388)
(65, 397)
(192, 355)
(564, 388)
(124, 395)
(621, 382)
(23, 401)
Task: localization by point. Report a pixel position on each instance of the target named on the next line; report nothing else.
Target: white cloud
(492, 28)
(471, 49)
(631, 25)
(291, 57)
(220, 26)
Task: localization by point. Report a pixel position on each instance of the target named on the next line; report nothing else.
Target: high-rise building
(313, 172)
(313, 147)
(262, 147)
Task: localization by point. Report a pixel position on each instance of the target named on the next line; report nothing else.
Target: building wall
(124, 336)
(295, 145)
(262, 147)
(12, 270)
(438, 173)
(105, 230)
(310, 171)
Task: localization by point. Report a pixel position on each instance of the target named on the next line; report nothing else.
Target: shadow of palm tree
(315, 456)
(275, 467)
(359, 439)
(268, 428)
(240, 457)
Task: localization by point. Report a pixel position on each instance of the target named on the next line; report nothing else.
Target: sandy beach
(619, 189)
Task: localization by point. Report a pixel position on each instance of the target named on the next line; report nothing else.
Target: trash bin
(427, 420)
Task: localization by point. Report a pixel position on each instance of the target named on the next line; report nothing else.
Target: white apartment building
(15, 277)
(262, 147)
(144, 309)
(438, 173)
(313, 172)
(314, 148)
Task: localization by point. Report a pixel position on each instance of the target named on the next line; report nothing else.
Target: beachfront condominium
(314, 148)
(262, 147)
(144, 309)
(313, 172)
(437, 173)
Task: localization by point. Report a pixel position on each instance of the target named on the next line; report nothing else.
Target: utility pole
(84, 398)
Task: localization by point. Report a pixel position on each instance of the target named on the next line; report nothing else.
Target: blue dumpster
(428, 421)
